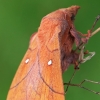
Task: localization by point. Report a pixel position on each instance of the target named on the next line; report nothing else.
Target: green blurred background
(20, 18)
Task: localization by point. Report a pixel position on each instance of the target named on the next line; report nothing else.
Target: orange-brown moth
(39, 76)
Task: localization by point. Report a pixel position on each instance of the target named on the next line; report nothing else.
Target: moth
(50, 52)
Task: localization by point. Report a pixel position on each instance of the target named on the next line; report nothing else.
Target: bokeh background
(20, 18)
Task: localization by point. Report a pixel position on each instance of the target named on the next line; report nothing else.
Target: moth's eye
(73, 17)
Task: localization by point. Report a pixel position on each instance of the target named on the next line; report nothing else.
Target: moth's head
(72, 11)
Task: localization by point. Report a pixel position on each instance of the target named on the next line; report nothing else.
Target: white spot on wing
(49, 62)
(26, 61)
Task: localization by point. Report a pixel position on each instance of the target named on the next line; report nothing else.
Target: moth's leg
(88, 57)
(86, 37)
(80, 40)
(83, 59)
(88, 34)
